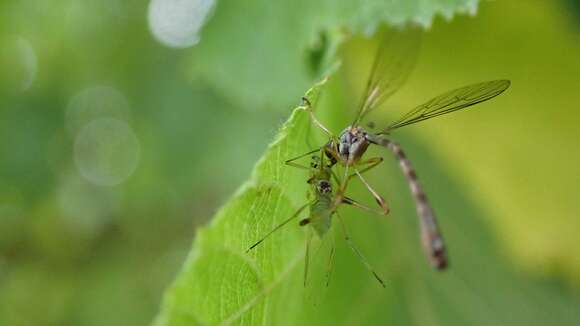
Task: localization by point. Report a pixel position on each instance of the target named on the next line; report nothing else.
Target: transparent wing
(451, 101)
(394, 60)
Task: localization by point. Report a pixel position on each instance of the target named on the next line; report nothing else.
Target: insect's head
(353, 144)
(315, 162)
(319, 162)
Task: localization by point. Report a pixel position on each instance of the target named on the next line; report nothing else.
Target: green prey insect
(323, 203)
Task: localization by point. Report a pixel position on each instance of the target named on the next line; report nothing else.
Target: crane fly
(393, 63)
(323, 203)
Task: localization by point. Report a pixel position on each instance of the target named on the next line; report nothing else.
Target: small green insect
(323, 203)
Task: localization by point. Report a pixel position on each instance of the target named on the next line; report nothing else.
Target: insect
(392, 64)
(323, 202)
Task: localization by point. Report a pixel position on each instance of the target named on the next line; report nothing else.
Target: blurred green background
(119, 138)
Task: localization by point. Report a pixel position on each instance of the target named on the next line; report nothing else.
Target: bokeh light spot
(18, 64)
(96, 102)
(86, 208)
(106, 151)
(177, 23)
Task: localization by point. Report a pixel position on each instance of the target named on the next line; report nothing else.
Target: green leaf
(220, 284)
(219, 281)
(252, 48)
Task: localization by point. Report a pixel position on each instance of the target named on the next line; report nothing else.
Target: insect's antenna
(431, 238)
(279, 226)
(358, 253)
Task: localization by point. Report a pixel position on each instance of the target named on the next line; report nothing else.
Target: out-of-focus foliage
(80, 253)
(293, 41)
(77, 252)
(574, 8)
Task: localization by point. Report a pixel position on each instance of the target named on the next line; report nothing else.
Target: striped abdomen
(431, 238)
(320, 215)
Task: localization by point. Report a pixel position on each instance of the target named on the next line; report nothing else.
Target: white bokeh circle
(106, 151)
(177, 23)
(95, 102)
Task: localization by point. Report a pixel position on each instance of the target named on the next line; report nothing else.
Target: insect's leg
(431, 238)
(354, 203)
(320, 125)
(308, 106)
(344, 184)
(279, 226)
(307, 254)
(378, 198)
(330, 262)
(308, 136)
(371, 163)
(357, 252)
(332, 152)
(334, 176)
(300, 166)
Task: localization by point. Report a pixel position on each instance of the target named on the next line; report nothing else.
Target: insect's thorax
(352, 144)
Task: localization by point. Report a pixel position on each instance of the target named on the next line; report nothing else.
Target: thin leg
(334, 176)
(307, 255)
(307, 136)
(330, 263)
(279, 226)
(300, 166)
(431, 238)
(378, 198)
(357, 252)
(343, 186)
(371, 162)
(354, 203)
(320, 125)
(308, 106)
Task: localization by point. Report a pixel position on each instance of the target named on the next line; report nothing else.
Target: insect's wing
(394, 60)
(451, 101)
